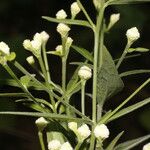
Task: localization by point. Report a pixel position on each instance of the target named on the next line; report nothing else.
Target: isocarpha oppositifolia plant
(59, 120)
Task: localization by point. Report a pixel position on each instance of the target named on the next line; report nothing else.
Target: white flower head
(84, 131)
(101, 131)
(4, 48)
(72, 126)
(59, 49)
(54, 145)
(61, 14)
(85, 73)
(41, 123)
(30, 60)
(66, 146)
(114, 18)
(132, 35)
(146, 146)
(75, 9)
(63, 29)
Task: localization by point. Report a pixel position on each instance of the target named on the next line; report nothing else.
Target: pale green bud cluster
(81, 132)
(146, 146)
(132, 35)
(35, 45)
(56, 145)
(85, 73)
(41, 123)
(75, 9)
(101, 131)
(61, 14)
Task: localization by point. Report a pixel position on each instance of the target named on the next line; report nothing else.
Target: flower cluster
(35, 45)
(56, 145)
(83, 132)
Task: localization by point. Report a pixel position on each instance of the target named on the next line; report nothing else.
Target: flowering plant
(65, 126)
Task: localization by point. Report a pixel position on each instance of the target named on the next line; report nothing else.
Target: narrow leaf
(132, 143)
(130, 109)
(114, 141)
(13, 95)
(46, 115)
(83, 52)
(68, 21)
(119, 2)
(133, 72)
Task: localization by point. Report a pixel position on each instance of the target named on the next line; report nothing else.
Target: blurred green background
(20, 19)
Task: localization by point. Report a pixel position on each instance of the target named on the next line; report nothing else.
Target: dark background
(20, 19)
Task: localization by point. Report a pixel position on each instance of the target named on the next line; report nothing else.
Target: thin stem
(122, 56)
(46, 62)
(40, 134)
(83, 96)
(19, 83)
(86, 14)
(60, 99)
(46, 80)
(63, 74)
(78, 146)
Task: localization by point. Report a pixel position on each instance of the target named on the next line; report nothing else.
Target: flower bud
(27, 44)
(66, 146)
(54, 145)
(63, 29)
(69, 42)
(85, 73)
(72, 126)
(44, 36)
(4, 48)
(132, 35)
(83, 131)
(146, 147)
(41, 123)
(30, 60)
(101, 131)
(75, 9)
(61, 14)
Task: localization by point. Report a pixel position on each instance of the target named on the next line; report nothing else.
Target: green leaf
(119, 2)
(133, 72)
(46, 115)
(132, 143)
(114, 141)
(68, 21)
(130, 109)
(83, 52)
(108, 81)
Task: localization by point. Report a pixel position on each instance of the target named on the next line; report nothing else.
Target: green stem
(86, 14)
(46, 80)
(78, 146)
(19, 83)
(122, 56)
(97, 37)
(40, 134)
(83, 82)
(63, 74)
(60, 99)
